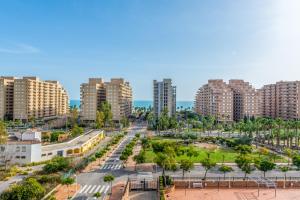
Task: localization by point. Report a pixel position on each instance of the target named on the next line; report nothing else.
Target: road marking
(105, 166)
(87, 189)
(106, 189)
(92, 189)
(102, 188)
(98, 188)
(82, 188)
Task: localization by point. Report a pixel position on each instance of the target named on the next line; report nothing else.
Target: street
(92, 182)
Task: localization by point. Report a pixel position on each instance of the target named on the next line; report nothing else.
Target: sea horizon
(184, 104)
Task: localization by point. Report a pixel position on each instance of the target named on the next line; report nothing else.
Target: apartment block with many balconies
(215, 99)
(281, 100)
(34, 98)
(164, 97)
(245, 99)
(6, 97)
(92, 95)
(119, 96)
(268, 101)
(117, 93)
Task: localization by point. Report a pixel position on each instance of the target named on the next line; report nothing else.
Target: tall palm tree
(280, 124)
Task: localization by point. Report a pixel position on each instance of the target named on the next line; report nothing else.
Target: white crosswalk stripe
(91, 189)
(111, 166)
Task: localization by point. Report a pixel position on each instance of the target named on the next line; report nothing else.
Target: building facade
(117, 93)
(92, 95)
(268, 101)
(34, 98)
(6, 97)
(119, 96)
(281, 100)
(245, 100)
(215, 99)
(164, 97)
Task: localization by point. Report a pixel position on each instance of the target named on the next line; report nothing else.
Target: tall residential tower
(164, 97)
(117, 93)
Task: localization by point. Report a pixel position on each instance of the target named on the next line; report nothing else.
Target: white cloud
(19, 48)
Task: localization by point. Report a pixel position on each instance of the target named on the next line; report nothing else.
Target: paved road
(92, 182)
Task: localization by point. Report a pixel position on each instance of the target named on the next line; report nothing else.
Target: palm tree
(279, 123)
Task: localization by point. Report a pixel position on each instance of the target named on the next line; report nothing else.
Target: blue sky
(189, 41)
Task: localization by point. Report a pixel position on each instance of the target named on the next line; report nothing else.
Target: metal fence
(236, 178)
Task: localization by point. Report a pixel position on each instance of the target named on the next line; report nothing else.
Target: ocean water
(146, 103)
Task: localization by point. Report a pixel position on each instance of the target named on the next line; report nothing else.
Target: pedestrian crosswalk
(111, 166)
(92, 189)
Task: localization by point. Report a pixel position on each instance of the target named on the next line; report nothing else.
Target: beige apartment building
(34, 98)
(117, 93)
(215, 99)
(92, 95)
(281, 100)
(245, 99)
(6, 97)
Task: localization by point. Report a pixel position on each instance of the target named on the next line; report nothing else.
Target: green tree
(73, 116)
(165, 161)
(30, 189)
(124, 121)
(284, 169)
(109, 178)
(265, 165)
(105, 107)
(57, 164)
(140, 158)
(244, 149)
(192, 152)
(100, 119)
(296, 161)
(67, 181)
(3, 133)
(244, 162)
(225, 169)
(207, 163)
(76, 131)
(186, 165)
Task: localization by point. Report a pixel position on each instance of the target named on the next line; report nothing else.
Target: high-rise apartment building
(117, 93)
(268, 101)
(6, 97)
(93, 94)
(215, 99)
(34, 98)
(164, 97)
(119, 96)
(281, 100)
(245, 100)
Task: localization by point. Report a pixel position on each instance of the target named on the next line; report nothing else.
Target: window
(18, 149)
(24, 149)
(23, 157)
(17, 157)
(49, 154)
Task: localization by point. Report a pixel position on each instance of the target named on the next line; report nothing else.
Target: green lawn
(217, 156)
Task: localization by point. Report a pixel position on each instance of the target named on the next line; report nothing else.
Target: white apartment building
(164, 97)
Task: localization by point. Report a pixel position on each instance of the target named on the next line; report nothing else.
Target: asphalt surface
(92, 182)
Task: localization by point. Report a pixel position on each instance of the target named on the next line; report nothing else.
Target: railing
(236, 178)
